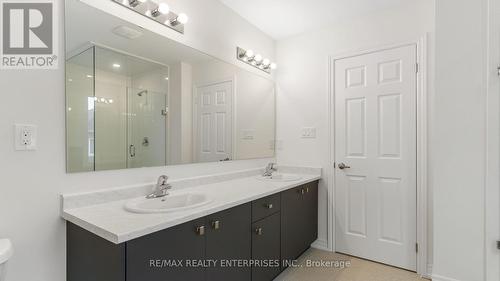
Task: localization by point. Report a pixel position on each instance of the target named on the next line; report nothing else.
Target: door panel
(375, 137)
(214, 122)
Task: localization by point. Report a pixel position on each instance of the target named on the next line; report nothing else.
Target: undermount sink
(168, 204)
(280, 178)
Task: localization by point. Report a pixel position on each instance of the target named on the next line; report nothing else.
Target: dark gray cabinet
(268, 230)
(266, 248)
(155, 257)
(299, 221)
(228, 238)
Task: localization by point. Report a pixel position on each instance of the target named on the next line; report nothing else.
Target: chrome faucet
(161, 188)
(269, 170)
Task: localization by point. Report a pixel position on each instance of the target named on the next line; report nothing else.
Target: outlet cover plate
(25, 137)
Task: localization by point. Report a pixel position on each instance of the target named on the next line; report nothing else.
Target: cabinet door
(299, 220)
(293, 228)
(156, 257)
(229, 238)
(311, 197)
(266, 247)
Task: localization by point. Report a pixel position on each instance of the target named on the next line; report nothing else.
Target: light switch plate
(247, 134)
(308, 133)
(25, 137)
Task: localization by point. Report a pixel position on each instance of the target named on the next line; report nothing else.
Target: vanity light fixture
(255, 60)
(180, 19)
(158, 11)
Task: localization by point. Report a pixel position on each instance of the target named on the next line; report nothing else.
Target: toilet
(5, 254)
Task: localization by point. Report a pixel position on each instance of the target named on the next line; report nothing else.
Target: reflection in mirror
(145, 100)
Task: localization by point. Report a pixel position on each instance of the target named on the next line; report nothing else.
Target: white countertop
(112, 222)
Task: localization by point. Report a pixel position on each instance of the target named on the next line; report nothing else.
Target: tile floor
(358, 270)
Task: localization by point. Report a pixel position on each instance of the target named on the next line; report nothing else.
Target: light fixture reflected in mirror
(158, 11)
(180, 19)
(255, 60)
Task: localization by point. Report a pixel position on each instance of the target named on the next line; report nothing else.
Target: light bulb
(111, 101)
(163, 8)
(182, 18)
(116, 65)
(258, 58)
(148, 13)
(135, 3)
(266, 62)
(273, 66)
(249, 54)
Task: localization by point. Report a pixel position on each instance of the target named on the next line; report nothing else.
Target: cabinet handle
(302, 191)
(269, 206)
(258, 231)
(307, 190)
(216, 225)
(200, 230)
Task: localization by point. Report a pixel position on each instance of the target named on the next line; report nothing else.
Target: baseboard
(428, 273)
(442, 278)
(320, 244)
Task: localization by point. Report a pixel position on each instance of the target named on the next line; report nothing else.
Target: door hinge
(498, 70)
(417, 67)
(416, 247)
(498, 245)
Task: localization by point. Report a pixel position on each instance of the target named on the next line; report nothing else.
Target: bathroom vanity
(270, 225)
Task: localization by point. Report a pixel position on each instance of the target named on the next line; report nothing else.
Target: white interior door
(375, 138)
(214, 119)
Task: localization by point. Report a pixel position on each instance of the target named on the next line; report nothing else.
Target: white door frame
(492, 192)
(422, 168)
(194, 133)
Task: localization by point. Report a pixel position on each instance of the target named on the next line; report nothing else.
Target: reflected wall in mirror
(145, 100)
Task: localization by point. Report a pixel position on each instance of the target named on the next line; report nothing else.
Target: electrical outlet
(25, 137)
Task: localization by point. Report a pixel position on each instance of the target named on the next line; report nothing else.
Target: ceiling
(80, 31)
(284, 18)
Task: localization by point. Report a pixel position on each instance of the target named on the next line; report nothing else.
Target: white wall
(459, 140)
(303, 80)
(32, 181)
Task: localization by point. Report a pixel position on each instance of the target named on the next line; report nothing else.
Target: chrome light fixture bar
(255, 60)
(158, 11)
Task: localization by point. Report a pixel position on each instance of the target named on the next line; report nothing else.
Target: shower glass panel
(80, 104)
(121, 102)
(146, 128)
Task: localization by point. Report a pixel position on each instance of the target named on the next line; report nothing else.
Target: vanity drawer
(265, 207)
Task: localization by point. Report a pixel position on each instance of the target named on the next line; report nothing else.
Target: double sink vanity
(137, 99)
(234, 226)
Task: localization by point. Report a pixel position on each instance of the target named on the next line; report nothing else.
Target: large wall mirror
(138, 99)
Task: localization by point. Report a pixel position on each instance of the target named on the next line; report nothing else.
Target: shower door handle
(131, 151)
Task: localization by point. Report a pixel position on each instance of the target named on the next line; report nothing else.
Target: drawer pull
(307, 190)
(258, 231)
(200, 230)
(302, 191)
(216, 225)
(269, 206)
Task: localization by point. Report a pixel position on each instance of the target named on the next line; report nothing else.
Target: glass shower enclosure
(117, 111)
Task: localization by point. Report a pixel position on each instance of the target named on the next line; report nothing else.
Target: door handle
(343, 166)
(200, 230)
(131, 151)
(258, 231)
(216, 225)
